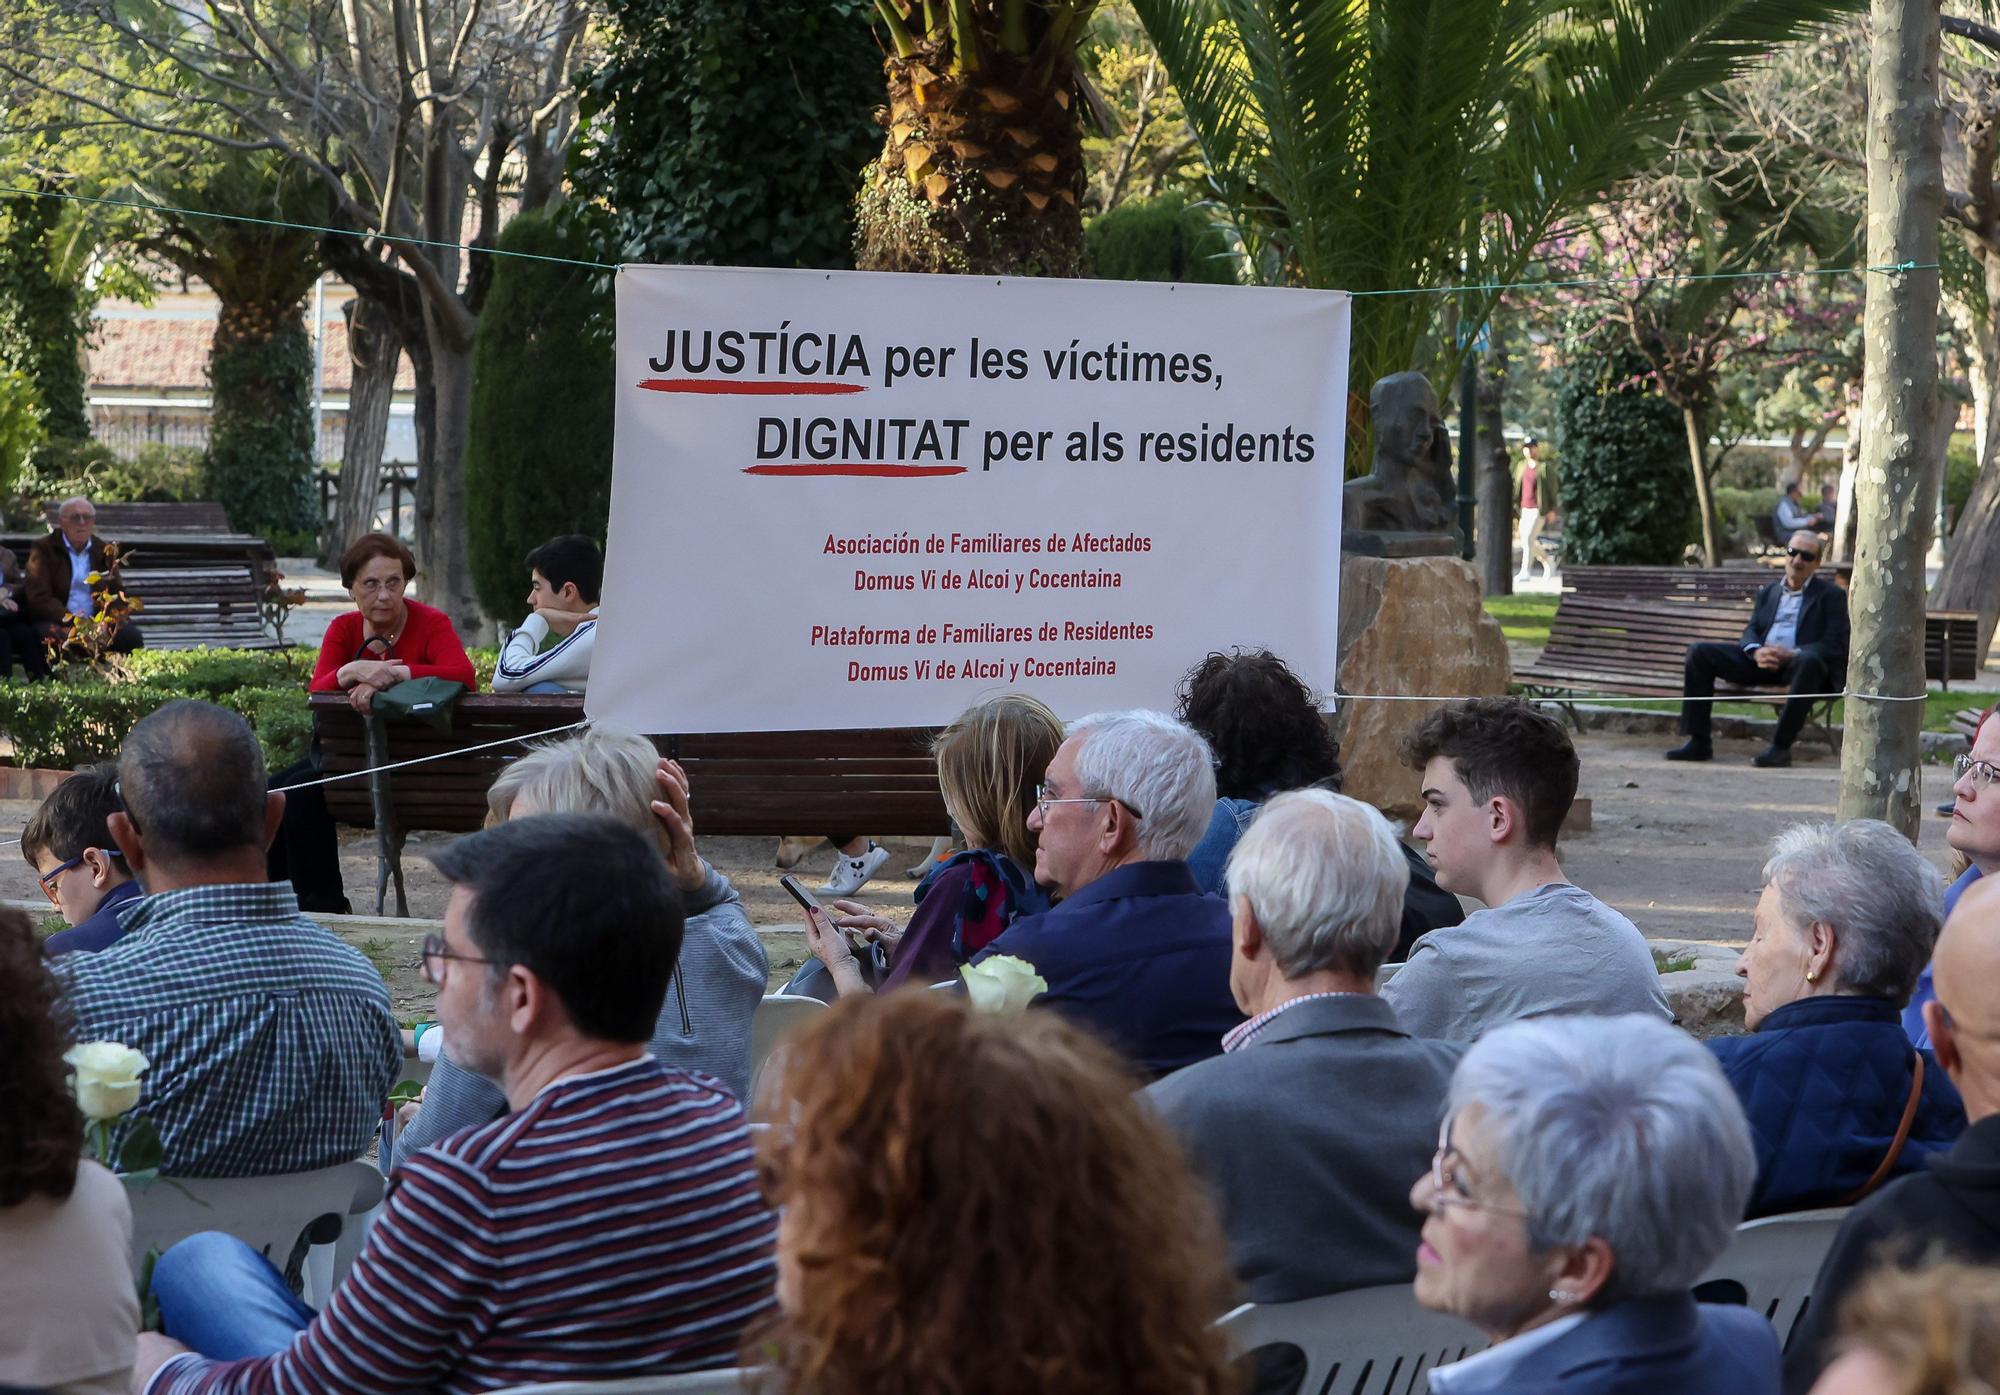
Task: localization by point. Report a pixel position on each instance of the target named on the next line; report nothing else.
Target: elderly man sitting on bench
(1796, 638)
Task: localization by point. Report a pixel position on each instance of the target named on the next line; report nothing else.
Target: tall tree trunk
(1850, 472)
(1494, 480)
(1704, 497)
(1970, 577)
(1899, 416)
(374, 349)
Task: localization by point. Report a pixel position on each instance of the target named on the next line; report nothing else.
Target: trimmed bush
(1627, 495)
(538, 456)
(1163, 239)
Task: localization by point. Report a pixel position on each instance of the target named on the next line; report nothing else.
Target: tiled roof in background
(166, 351)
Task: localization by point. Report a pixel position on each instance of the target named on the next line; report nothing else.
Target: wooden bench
(201, 584)
(1625, 631)
(116, 520)
(743, 782)
(1951, 637)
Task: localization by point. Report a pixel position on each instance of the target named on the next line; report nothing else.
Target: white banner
(861, 500)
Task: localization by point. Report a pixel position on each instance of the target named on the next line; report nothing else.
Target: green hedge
(64, 724)
(59, 726)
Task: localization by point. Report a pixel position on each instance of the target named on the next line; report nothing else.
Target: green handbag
(426, 700)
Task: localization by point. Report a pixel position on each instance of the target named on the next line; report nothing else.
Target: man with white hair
(60, 567)
(1321, 1108)
(1134, 951)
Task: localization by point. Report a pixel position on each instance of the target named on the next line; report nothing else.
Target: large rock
(1411, 626)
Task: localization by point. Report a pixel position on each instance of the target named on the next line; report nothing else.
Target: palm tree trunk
(982, 163)
(1496, 483)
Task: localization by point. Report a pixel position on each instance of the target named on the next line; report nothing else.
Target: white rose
(107, 1077)
(1002, 983)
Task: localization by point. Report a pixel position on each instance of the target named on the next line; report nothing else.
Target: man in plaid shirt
(271, 1043)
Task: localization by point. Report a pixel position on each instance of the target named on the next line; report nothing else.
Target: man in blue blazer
(1796, 639)
(1133, 951)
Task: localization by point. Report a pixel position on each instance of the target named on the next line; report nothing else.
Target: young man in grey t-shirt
(1498, 780)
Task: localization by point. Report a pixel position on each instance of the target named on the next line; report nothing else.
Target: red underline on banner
(894, 472)
(750, 389)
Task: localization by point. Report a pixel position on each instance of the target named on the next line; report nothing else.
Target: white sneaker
(850, 874)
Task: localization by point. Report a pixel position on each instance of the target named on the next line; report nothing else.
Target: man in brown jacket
(59, 567)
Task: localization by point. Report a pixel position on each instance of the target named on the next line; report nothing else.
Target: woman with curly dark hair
(978, 1204)
(1265, 727)
(71, 1312)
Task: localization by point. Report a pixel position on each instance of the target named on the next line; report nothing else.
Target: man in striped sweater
(609, 1226)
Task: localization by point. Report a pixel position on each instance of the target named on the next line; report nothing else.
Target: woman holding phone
(989, 762)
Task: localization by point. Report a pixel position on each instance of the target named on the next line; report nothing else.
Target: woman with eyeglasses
(988, 761)
(387, 638)
(1588, 1171)
(1974, 835)
(1839, 1101)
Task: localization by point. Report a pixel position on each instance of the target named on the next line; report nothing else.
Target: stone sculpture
(1406, 505)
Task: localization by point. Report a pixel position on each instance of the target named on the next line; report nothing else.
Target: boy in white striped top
(609, 1226)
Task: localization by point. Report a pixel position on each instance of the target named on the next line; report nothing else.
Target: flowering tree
(1672, 251)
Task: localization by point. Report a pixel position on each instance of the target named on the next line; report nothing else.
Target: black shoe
(1692, 749)
(1772, 756)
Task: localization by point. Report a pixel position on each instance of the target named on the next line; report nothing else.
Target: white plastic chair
(1369, 1341)
(728, 1382)
(266, 1213)
(776, 1016)
(1775, 1260)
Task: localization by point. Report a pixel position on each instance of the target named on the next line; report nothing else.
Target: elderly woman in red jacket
(388, 637)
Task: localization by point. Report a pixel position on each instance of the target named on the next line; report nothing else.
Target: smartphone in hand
(796, 889)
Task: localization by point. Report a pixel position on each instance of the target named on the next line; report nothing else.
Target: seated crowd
(1273, 1058)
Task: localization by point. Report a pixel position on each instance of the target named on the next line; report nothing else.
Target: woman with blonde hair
(979, 1204)
(989, 763)
(1933, 1331)
(723, 967)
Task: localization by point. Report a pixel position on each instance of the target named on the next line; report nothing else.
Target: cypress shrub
(1626, 493)
(538, 453)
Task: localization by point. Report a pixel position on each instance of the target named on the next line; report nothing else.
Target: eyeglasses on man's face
(437, 954)
(1981, 772)
(1043, 799)
(1446, 1190)
(1799, 554)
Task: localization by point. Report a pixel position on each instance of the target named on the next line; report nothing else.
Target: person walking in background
(1537, 509)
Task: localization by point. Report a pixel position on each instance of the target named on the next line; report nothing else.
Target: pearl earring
(1559, 1296)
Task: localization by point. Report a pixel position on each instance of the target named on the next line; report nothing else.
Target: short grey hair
(1157, 767)
(1619, 1127)
(191, 778)
(1883, 900)
(601, 770)
(62, 509)
(1325, 877)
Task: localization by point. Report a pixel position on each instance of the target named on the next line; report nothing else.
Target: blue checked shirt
(272, 1043)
